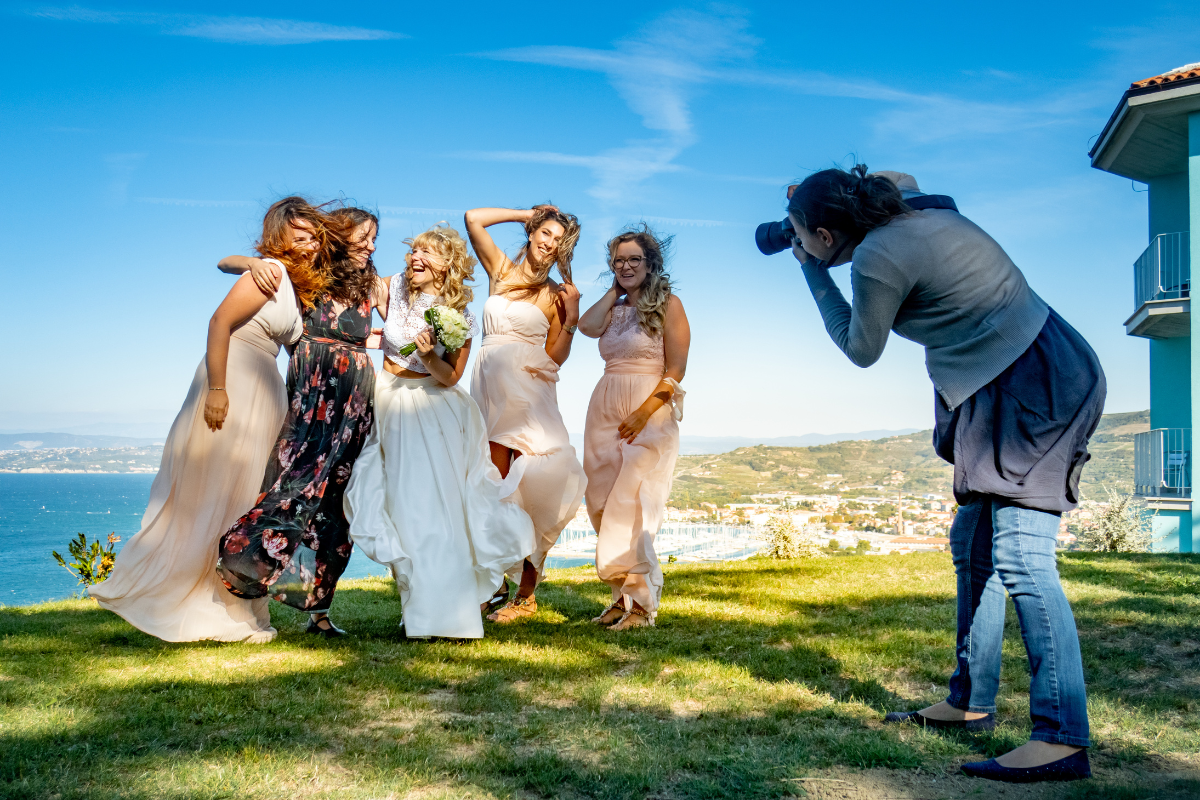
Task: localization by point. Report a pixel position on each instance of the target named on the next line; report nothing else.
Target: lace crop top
(625, 338)
(405, 321)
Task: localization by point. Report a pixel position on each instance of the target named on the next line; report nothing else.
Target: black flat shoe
(1072, 768)
(916, 718)
(496, 600)
(330, 632)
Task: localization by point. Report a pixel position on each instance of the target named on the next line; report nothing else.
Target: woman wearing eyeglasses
(632, 434)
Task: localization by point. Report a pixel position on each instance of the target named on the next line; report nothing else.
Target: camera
(774, 237)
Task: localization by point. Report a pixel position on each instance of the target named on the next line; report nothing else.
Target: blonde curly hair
(459, 265)
(657, 287)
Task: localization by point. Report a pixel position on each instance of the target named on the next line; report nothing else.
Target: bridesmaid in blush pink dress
(632, 434)
(528, 323)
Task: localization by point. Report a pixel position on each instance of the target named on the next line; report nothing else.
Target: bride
(425, 498)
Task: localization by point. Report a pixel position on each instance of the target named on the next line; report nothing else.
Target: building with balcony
(1153, 137)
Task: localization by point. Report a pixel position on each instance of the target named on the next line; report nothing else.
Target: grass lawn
(762, 679)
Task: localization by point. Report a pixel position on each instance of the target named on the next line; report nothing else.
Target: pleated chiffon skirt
(164, 580)
(628, 484)
(426, 500)
(514, 384)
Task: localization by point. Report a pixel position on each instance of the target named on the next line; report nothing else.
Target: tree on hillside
(785, 540)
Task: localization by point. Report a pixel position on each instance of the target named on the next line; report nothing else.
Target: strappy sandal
(495, 601)
(633, 618)
(611, 614)
(515, 609)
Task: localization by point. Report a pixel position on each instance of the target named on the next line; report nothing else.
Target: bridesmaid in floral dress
(294, 544)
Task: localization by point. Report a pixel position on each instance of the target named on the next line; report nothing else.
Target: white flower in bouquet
(449, 326)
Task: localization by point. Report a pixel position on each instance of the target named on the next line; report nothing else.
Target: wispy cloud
(180, 201)
(121, 167)
(659, 69)
(235, 30)
(656, 71)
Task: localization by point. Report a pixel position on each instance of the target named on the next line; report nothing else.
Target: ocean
(41, 513)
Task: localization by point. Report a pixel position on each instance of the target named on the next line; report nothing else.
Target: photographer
(1018, 392)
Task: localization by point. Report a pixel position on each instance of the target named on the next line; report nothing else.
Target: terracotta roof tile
(1183, 73)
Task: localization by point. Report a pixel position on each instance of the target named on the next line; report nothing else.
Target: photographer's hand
(799, 252)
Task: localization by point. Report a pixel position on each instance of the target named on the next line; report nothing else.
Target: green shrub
(93, 562)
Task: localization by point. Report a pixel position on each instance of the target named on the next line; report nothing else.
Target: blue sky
(142, 142)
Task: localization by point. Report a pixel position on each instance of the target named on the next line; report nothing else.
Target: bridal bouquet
(449, 326)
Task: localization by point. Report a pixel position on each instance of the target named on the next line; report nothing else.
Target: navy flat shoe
(916, 718)
(1072, 768)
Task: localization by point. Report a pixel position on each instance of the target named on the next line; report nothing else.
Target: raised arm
(478, 220)
(677, 341)
(595, 320)
(266, 275)
(564, 318)
(243, 302)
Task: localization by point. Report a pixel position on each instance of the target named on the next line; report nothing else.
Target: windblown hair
(562, 256)
(309, 270)
(350, 282)
(853, 202)
(656, 288)
(459, 265)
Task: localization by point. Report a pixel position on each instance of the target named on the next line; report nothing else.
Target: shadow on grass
(390, 709)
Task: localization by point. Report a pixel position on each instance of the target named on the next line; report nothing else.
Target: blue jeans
(998, 546)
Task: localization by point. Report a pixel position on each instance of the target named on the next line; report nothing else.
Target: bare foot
(945, 712)
(1035, 754)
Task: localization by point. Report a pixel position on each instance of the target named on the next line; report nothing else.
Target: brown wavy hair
(657, 286)
(349, 282)
(460, 265)
(309, 270)
(562, 256)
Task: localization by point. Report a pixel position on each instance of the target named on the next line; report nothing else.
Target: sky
(140, 143)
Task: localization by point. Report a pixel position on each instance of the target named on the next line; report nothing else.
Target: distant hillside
(699, 445)
(44, 441)
(906, 462)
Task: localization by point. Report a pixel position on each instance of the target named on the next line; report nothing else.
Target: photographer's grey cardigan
(938, 279)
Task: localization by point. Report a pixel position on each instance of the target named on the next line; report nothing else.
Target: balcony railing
(1162, 463)
(1164, 270)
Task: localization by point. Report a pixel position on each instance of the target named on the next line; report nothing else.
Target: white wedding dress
(425, 498)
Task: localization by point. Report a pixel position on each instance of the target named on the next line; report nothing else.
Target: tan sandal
(611, 614)
(515, 609)
(634, 618)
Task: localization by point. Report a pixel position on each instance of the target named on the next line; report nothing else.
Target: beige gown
(628, 484)
(514, 384)
(164, 581)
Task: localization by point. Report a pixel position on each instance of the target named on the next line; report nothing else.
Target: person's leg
(980, 634)
(1024, 555)
(502, 457)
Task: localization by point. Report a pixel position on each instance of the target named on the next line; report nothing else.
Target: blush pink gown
(514, 384)
(628, 483)
(164, 581)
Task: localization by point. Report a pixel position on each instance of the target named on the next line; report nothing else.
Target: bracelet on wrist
(216, 388)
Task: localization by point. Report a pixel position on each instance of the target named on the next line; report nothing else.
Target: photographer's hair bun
(853, 202)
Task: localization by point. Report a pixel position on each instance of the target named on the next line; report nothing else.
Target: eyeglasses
(633, 261)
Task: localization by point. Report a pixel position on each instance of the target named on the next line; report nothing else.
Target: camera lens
(774, 237)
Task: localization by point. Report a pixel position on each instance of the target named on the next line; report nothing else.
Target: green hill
(907, 463)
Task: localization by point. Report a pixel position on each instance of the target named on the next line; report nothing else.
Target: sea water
(42, 513)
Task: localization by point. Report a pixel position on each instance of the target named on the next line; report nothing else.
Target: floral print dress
(294, 544)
